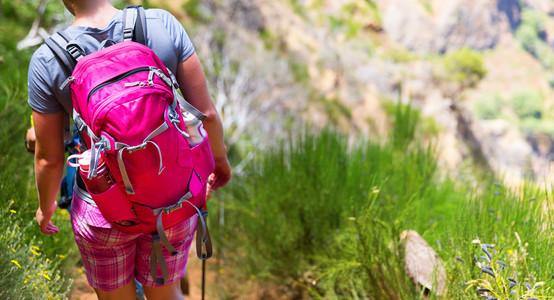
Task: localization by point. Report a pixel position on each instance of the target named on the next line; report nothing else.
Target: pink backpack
(128, 110)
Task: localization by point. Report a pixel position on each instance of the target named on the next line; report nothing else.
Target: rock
(247, 14)
(441, 26)
(422, 263)
(504, 146)
(544, 6)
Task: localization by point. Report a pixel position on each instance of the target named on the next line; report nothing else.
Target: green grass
(34, 266)
(323, 217)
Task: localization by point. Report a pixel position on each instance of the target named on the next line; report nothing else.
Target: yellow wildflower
(16, 263)
(62, 256)
(46, 276)
(35, 247)
(13, 211)
(35, 253)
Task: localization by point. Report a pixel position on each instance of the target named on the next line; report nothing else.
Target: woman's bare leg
(167, 292)
(127, 292)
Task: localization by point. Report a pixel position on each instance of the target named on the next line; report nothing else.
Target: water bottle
(103, 180)
(194, 129)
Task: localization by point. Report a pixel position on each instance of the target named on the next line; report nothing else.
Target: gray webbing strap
(157, 258)
(203, 240)
(124, 176)
(105, 42)
(122, 147)
(188, 107)
(204, 244)
(182, 102)
(159, 224)
(130, 18)
(83, 195)
(94, 158)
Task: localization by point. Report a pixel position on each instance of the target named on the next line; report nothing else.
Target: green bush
(34, 265)
(527, 103)
(28, 272)
(531, 34)
(464, 67)
(490, 107)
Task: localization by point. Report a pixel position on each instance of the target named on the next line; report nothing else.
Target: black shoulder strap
(134, 24)
(66, 50)
(58, 44)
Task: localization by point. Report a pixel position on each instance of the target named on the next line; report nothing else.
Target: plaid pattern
(112, 258)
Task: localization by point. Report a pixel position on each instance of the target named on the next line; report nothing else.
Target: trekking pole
(203, 277)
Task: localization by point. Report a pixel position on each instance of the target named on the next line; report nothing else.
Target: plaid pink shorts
(112, 258)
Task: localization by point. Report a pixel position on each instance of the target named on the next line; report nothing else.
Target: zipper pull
(151, 76)
(66, 82)
(139, 83)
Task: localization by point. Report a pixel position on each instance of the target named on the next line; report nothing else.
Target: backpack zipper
(116, 79)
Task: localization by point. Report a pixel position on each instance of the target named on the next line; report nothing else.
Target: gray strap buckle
(75, 50)
(128, 34)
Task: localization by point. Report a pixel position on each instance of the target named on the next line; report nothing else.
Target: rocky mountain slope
(274, 65)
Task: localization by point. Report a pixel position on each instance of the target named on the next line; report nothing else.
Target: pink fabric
(111, 258)
(124, 111)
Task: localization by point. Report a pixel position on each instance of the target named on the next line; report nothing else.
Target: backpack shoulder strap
(57, 44)
(66, 50)
(134, 24)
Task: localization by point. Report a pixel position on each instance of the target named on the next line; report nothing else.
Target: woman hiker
(111, 257)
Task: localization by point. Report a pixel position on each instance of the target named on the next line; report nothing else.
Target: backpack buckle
(128, 34)
(173, 208)
(75, 50)
(79, 123)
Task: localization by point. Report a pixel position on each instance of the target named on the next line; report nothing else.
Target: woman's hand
(220, 177)
(44, 220)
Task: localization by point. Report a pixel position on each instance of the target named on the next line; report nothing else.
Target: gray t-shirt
(165, 36)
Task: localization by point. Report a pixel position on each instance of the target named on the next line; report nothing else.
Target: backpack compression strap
(203, 240)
